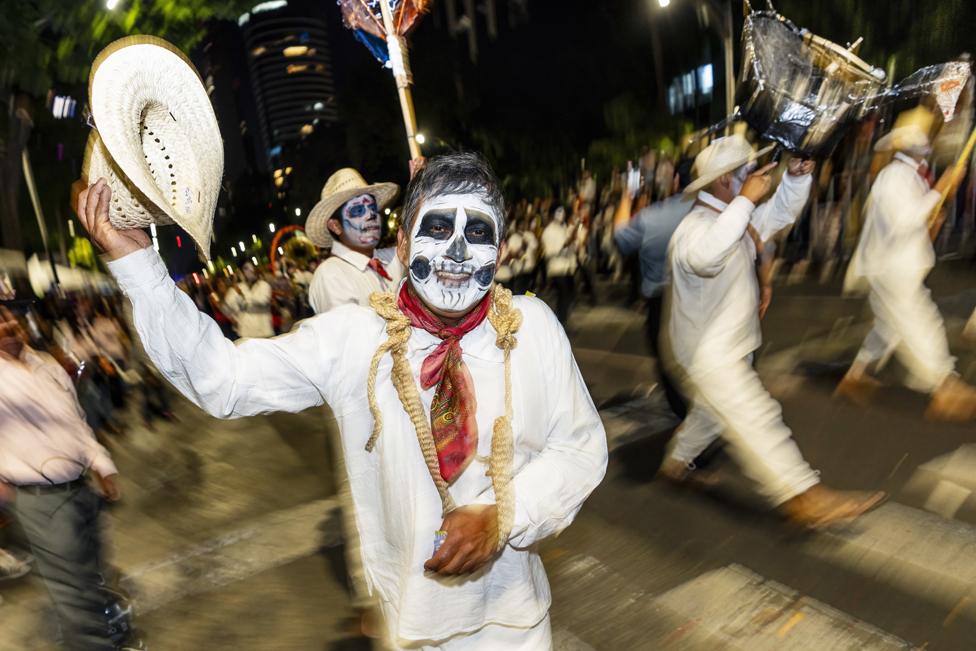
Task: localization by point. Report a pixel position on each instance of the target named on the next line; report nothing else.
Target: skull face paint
(453, 251)
(361, 221)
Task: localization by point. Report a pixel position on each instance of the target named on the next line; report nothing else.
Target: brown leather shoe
(821, 507)
(859, 390)
(953, 401)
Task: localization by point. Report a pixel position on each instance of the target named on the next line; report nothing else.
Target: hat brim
(158, 126)
(890, 141)
(316, 226)
(704, 181)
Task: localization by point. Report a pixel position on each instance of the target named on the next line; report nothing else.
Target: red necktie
(377, 266)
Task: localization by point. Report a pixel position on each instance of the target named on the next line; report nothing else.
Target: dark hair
(461, 173)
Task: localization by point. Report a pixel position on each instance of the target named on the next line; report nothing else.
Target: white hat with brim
(342, 186)
(903, 138)
(157, 135)
(723, 155)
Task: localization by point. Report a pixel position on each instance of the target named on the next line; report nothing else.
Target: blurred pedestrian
(46, 449)
(893, 257)
(559, 253)
(348, 219)
(647, 234)
(249, 304)
(713, 331)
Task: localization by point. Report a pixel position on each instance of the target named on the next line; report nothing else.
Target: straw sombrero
(722, 156)
(157, 140)
(911, 131)
(340, 188)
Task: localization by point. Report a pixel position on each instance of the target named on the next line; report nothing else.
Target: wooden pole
(957, 172)
(398, 59)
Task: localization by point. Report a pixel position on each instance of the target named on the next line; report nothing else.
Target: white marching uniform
(892, 259)
(713, 330)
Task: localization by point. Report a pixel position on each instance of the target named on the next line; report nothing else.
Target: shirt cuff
(742, 203)
(142, 268)
(103, 465)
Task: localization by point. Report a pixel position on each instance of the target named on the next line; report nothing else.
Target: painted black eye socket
(438, 225)
(479, 229)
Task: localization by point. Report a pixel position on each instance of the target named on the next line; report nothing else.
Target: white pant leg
(876, 349)
(907, 311)
(699, 428)
(754, 427)
(493, 637)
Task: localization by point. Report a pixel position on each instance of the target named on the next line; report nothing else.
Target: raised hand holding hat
(157, 143)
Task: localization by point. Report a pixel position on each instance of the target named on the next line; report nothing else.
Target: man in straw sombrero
(713, 331)
(468, 433)
(348, 218)
(893, 257)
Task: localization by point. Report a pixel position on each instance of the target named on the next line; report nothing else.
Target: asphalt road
(227, 535)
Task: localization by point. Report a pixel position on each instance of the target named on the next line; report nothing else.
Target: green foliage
(47, 41)
(81, 254)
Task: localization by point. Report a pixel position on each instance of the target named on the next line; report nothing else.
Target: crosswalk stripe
(734, 608)
(273, 540)
(920, 553)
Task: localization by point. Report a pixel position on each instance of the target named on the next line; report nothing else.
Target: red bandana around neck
(452, 413)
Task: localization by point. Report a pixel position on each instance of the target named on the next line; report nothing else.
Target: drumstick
(960, 166)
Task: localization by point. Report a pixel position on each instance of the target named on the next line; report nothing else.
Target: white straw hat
(721, 156)
(911, 131)
(155, 122)
(342, 186)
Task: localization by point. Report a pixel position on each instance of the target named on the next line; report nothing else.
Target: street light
(241, 244)
(255, 261)
(233, 251)
(663, 3)
(298, 212)
(271, 227)
(420, 138)
(111, 4)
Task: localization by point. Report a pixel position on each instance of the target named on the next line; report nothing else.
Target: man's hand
(757, 184)
(93, 203)
(800, 166)
(472, 535)
(765, 298)
(108, 487)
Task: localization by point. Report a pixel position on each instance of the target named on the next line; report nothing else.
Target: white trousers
(908, 324)
(492, 637)
(730, 401)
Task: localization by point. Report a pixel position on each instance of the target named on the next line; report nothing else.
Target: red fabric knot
(377, 265)
(925, 173)
(453, 411)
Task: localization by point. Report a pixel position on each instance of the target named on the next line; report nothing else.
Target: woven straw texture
(129, 207)
(155, 119)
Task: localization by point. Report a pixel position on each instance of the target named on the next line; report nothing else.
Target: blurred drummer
(713, 328)
(893, 257)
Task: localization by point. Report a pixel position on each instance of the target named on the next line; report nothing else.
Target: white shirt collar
(355, 258)
(712, 201)
(908, 160)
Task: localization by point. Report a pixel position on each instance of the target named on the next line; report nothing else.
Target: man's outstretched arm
(223, 378)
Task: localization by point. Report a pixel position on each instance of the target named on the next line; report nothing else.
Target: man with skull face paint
(461, 410)
(347, 218)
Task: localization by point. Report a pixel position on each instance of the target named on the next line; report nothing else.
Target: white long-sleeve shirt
(714, 302)
(44, 438)
(346, 277)
(560, 443)
(895, 241)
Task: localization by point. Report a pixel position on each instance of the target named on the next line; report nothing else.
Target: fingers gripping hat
(157, 142)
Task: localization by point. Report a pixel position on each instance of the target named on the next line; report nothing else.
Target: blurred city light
(271, 227)
(663, 3)
(281, 251)
(295, 50)
(254, 260)
(254, 238)
(298, 212)
(241, 244)
(233, 251)
(111, 4)
(420, 138)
